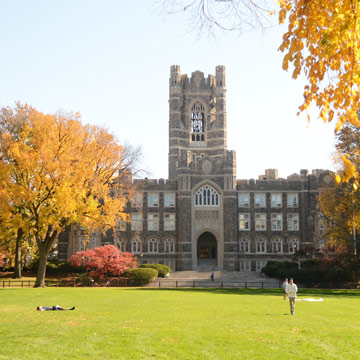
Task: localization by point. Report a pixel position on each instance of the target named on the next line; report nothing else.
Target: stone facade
(202, 216)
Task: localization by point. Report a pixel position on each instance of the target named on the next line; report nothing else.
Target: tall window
(293, 222)
(169, 222)
(277, 245)
(121, 245)
(260, 200)
(276, 200)
(292, 200)
(260, 222)
(245, 265)
(169, 200)
(244, 246)
(169, 245)
(206, 196)
(244, 222)
(121, 225)
(153, 200)
(137, 200)
(197, 122)
(153, 222)
(153, 246)
(261, 246)
(243, 200)
(136, 246)
(276, 222)
(293, 245)
(136, 222)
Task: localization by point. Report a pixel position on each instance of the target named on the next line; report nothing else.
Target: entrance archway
(207, 250)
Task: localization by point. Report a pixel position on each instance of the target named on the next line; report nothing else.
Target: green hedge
(141, 276)
(311, 273)
(163, 270)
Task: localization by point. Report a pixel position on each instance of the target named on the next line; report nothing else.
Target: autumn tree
(103, 261)
(12, 228)
(340, 204)
(55, 171)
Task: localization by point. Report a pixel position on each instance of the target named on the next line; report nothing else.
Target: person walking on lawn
(291, 290)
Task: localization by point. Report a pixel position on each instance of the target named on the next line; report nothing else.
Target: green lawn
(116, 323)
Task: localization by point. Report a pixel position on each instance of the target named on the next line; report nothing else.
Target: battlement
(197, 79)
(175, 69)
(158, 184)
(271, 180)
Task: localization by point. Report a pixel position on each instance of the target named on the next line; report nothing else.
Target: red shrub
(103, 261)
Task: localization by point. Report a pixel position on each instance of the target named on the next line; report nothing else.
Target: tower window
(206, 196)
(197, 122)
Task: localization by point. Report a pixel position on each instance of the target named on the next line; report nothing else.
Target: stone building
(202, 216)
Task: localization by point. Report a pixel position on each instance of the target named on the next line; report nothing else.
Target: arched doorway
(207, 251)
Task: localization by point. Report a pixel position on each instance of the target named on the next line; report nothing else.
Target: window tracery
(197, 122)
(206, 196)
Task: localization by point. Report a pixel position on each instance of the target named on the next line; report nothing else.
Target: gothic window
(197, 122)
(153, 246)
(293, 245)
(277, 245)
(136, 246)
(206, 196)
(169, 246)
(261, 246)
(244, 245)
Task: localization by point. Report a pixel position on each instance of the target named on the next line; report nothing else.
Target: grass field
(115, 323)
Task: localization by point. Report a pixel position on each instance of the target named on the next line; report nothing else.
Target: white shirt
(291, 290)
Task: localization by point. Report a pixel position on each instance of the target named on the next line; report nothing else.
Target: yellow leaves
(323, 42)
(338, 178)
(64, 172)
(282, 16)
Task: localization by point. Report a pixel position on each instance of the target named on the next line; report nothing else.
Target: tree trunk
(40, 276)
(44, 246)
(18, 260)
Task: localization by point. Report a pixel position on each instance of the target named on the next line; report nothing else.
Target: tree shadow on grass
(253, 291)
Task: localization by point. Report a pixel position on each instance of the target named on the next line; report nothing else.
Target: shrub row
(163, 270)
(310, 273)
(141, 276)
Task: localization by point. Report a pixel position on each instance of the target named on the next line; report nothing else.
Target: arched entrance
(207, 251)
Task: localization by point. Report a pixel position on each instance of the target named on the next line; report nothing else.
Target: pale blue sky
(110, 60)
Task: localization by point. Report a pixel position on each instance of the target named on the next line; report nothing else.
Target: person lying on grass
(56, 307)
